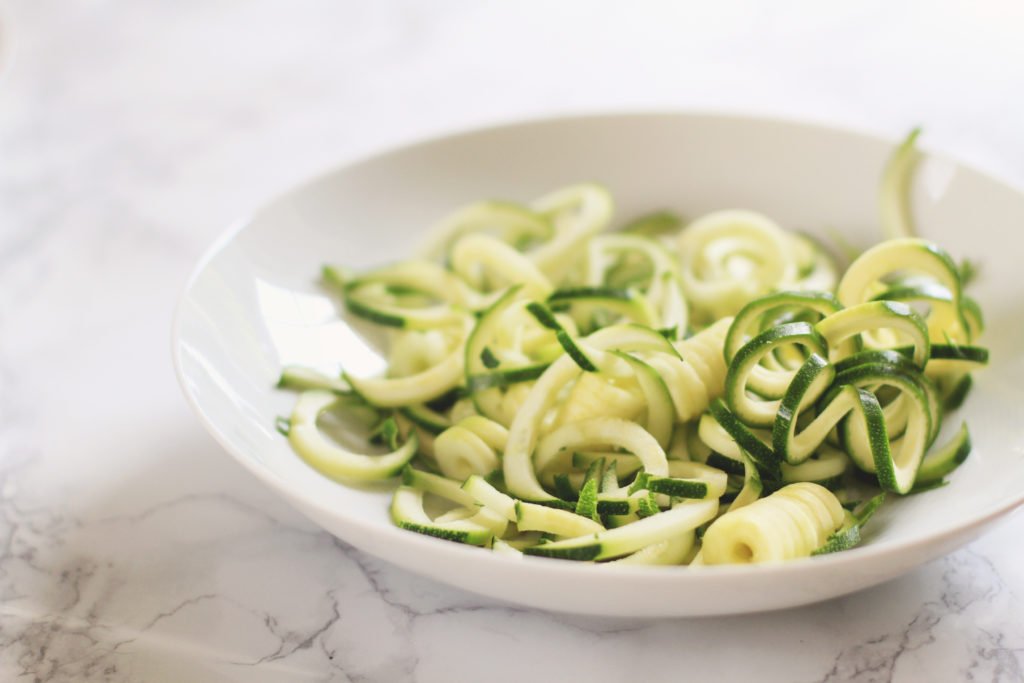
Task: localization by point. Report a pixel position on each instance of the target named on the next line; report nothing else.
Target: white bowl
(253, 305)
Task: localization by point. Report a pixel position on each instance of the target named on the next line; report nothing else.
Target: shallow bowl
(253, 305)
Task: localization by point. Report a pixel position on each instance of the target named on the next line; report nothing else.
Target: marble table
(132, 133)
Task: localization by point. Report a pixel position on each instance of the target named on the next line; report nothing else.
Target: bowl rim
(872, 552)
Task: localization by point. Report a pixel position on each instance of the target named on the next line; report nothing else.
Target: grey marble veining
(131, 133)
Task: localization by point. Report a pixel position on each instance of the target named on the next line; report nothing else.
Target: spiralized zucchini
(664, 394)
(793, 522)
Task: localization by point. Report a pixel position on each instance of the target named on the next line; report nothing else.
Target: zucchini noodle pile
(709, 392)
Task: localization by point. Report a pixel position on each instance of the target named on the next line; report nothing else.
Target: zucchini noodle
(666, 394)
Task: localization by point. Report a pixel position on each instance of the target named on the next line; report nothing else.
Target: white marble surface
(131, 133)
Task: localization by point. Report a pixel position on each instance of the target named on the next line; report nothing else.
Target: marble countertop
(131, 134)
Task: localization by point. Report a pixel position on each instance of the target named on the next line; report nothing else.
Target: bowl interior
(254, 304)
